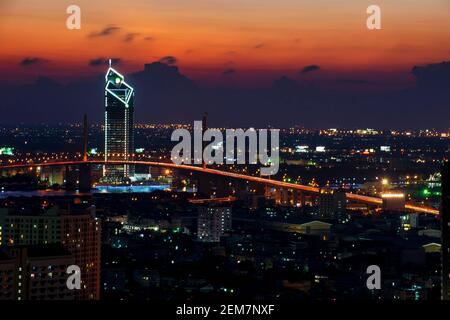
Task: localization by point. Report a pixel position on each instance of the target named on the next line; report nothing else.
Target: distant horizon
(369, 78)
(294, 126)
(249, 64)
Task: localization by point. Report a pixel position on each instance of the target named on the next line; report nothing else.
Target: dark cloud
(310, 68)
(29, 61)
(164, 94)
(229, 72)
(259, 46)
(352, 81)
(103, 61)
(149, 38)
(169, 60)
(160, 77)
(433, 75)
(107, 31)
(130, 36)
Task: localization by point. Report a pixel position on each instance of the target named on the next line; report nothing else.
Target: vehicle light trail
(275, 183)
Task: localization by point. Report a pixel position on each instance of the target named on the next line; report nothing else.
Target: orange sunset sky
(257, 39)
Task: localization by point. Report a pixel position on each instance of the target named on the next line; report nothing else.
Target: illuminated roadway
(276, 183)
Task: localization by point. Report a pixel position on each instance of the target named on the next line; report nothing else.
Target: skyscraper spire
(110, 63)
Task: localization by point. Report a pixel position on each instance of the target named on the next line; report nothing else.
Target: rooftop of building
(40, 209)
(48, 250)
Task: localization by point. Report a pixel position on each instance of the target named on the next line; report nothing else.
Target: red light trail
(275, 183)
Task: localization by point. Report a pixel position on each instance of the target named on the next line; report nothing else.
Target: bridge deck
(276, 183)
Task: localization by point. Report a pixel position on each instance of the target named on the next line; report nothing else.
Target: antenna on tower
(110, 63)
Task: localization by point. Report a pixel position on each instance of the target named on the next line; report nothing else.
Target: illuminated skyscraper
(445, 220)
(119, 133)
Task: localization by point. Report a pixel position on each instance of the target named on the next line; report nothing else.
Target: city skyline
(224, 58)
(163, 87)
(252, 155)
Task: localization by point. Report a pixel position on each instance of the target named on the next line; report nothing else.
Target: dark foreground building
(36, 272)
(445, 218)
(74, 227)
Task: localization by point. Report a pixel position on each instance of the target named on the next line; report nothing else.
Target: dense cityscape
(215, 159)
(174, 234)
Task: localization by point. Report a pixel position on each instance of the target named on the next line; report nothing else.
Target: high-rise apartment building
(81, 235)
(37, 272)
(75, 228)
(445, 221)
(332, 204)
(119, 131)
(8, 288)
(213, 222)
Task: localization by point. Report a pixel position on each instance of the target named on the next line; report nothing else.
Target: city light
(392, 195)
(241, 159)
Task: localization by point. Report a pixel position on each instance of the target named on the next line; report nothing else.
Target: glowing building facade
(119, 133)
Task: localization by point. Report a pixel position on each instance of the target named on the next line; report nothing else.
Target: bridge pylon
(85, 138)
(204, 128)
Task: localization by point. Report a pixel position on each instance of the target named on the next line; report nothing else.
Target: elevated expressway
(350, 196)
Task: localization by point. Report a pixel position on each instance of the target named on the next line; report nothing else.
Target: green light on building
(6, 151)
(176, 230)
(92, 151)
